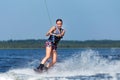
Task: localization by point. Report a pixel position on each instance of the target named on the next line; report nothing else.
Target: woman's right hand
(50, 31)
(48, 34)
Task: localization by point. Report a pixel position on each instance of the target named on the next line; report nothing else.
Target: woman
(55, 34)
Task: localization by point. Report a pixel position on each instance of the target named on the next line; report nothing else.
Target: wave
(87, 64)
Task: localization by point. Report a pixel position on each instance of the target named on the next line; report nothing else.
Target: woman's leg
(54, 58)
(48, 54)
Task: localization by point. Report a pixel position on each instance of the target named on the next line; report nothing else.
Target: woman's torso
(53, 38)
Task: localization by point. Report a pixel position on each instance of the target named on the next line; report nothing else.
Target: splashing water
(87, 65)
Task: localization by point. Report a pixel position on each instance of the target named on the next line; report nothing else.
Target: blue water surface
(79, 60)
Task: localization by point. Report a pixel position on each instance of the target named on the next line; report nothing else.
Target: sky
(83, 19)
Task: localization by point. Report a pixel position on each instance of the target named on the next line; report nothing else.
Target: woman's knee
(47, 57)
(53, 62)
(48, 52)
(54, 59)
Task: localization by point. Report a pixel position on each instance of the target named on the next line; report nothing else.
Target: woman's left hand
(59, 35)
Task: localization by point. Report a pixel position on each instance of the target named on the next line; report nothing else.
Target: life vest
(54, 39)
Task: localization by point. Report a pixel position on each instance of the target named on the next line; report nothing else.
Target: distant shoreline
(58, 48)
(39, 44)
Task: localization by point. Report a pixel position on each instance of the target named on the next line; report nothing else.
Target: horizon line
(62, 40)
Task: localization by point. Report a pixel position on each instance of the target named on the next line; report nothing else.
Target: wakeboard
(40, 71)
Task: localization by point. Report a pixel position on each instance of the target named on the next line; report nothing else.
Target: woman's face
(59, 24)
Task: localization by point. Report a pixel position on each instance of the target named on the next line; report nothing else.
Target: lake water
(72, 64)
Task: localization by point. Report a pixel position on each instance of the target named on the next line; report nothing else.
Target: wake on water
(85, 65)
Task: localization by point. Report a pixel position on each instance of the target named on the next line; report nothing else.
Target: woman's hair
(59, 20)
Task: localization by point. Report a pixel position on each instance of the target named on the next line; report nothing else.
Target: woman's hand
(48, 34)
(50, 31)
(58, 35)
(62, 34)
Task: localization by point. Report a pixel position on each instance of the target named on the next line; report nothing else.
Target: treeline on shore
(63, 44)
